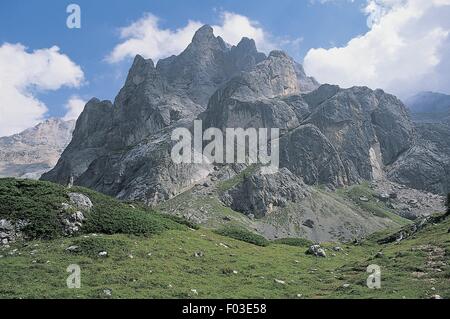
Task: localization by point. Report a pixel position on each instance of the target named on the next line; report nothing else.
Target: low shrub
(300, 242)
(38, 203)
(243, 234)
(110, 216)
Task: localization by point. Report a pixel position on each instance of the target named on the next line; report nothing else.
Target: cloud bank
(22, 75)
(407, 49)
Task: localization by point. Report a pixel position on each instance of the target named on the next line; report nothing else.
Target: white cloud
(235, 26)
(75, 105)
(145, 37)
(406, 49)
(22, 74)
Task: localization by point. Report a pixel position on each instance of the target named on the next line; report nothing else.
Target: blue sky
(42, 24)
(319, 30)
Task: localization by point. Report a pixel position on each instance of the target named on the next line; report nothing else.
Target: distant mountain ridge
(429, 107)
(34, 151)
(429, 102)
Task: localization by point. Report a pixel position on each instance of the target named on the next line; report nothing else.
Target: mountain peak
(205, 33)
(279, 54)
(139, 61)
(247, 43)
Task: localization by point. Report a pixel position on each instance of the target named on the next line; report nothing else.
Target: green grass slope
(180, 262)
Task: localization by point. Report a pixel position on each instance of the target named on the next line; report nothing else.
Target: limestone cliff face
(254, 99)
(36, 150)
(357, 121)
(330, 136)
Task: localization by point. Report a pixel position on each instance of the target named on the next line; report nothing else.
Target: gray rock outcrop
(74, 213)
(368, 129)
(261, 194)
(330, 136)
(11, 231)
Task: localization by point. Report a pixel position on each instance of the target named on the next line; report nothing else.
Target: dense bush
(242, 234)
(39, 203)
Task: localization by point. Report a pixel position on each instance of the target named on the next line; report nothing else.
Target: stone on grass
(317, 251)
(198, 254)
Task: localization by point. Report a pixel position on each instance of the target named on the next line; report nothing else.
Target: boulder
(80, 201)
(317, 251)
(72, 222)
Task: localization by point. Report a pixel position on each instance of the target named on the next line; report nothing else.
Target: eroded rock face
(261, 194)
(360, 124)
(255, 99)
(308, 153)
(330, 136)
(87, 144)
(145, 172)
(426, 166)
